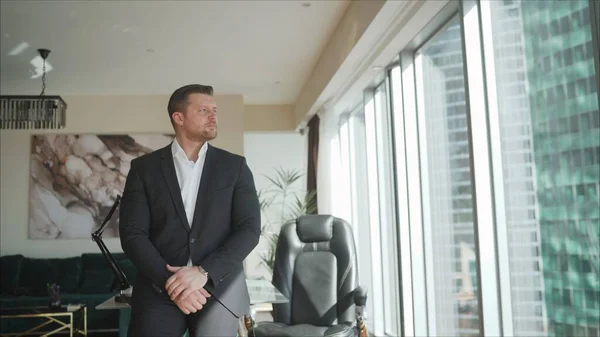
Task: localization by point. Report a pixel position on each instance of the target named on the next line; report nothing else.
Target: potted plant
(280, 203)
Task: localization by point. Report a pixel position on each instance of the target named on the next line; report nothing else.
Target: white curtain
(333, 190)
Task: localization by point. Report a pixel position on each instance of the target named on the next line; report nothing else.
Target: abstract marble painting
(75, 179)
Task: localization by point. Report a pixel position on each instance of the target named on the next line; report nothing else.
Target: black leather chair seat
(316, 270)
(304, 330)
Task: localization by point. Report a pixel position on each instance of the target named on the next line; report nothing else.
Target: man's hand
(193, 303)
(184, 282)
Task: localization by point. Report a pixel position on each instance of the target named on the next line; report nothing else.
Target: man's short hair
(179, 98)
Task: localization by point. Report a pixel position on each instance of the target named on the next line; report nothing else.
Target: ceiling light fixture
(33, 112)
(306, 4)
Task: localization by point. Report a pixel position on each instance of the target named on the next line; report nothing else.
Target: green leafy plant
(283, 197)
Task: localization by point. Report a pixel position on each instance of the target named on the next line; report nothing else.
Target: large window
(549, 136)
(475, 174)
(365, 144)
(386, 208)
(451, 261)
(357, 155)
(381, 211)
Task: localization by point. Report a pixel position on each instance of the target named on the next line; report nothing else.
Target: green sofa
(85, 279)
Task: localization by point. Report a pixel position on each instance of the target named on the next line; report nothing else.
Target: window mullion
(481, 158)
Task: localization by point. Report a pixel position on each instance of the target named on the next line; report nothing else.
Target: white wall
(266, 152)
(90, 114)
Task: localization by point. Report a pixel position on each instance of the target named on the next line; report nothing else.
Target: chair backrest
(316, 269)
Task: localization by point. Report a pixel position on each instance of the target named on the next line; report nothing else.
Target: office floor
(261, 316)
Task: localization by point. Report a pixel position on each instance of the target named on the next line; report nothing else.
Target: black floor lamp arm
(97, 237)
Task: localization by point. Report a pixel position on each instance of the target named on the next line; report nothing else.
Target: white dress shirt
(189, 174)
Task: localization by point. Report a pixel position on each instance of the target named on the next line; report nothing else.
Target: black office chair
(316, 269)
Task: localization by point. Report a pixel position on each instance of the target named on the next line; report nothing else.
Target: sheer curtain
(332, 188)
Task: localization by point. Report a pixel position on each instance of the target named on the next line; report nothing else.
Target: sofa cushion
(10, 269)
(37, 273)
(98, 261)
(70, 277)
(97, 281)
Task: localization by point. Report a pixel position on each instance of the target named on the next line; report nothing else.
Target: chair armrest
(360, 296)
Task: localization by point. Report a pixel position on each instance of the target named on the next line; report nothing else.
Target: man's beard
(207, 135)
(210, 135)
(202, 136)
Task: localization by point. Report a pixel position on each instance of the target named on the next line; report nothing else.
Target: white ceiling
(264, 50)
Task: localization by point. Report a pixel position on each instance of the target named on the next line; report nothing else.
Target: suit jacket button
(192, 240)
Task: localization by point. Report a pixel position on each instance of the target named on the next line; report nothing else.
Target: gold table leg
(77, 329)
(85, 320)
(52, 318)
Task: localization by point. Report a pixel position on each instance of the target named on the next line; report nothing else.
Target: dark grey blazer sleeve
(134, 228)
(245, 218)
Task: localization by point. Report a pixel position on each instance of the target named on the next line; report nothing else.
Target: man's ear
(178, 118)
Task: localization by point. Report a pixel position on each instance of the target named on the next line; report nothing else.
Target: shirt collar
(177, 150)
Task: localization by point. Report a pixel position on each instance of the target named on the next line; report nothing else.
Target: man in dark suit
(189, 217)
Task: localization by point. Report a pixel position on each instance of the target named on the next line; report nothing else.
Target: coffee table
(262, 291)
(63, 316)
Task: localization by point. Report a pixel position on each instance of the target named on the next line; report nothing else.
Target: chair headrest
(314, 228)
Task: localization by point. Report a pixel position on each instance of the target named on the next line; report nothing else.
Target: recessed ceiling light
(306, 4)
(377, 68)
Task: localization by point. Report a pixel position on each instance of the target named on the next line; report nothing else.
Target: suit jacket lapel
(168, 169)
(208, 176)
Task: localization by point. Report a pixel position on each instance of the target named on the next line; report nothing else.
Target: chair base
(278, 329)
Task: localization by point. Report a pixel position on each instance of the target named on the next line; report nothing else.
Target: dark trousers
(164, 318)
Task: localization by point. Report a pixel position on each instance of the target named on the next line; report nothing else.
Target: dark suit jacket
(154, 229)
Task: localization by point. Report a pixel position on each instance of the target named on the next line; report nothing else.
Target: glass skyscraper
(565, 127)
(550, 141)
(520, 198)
